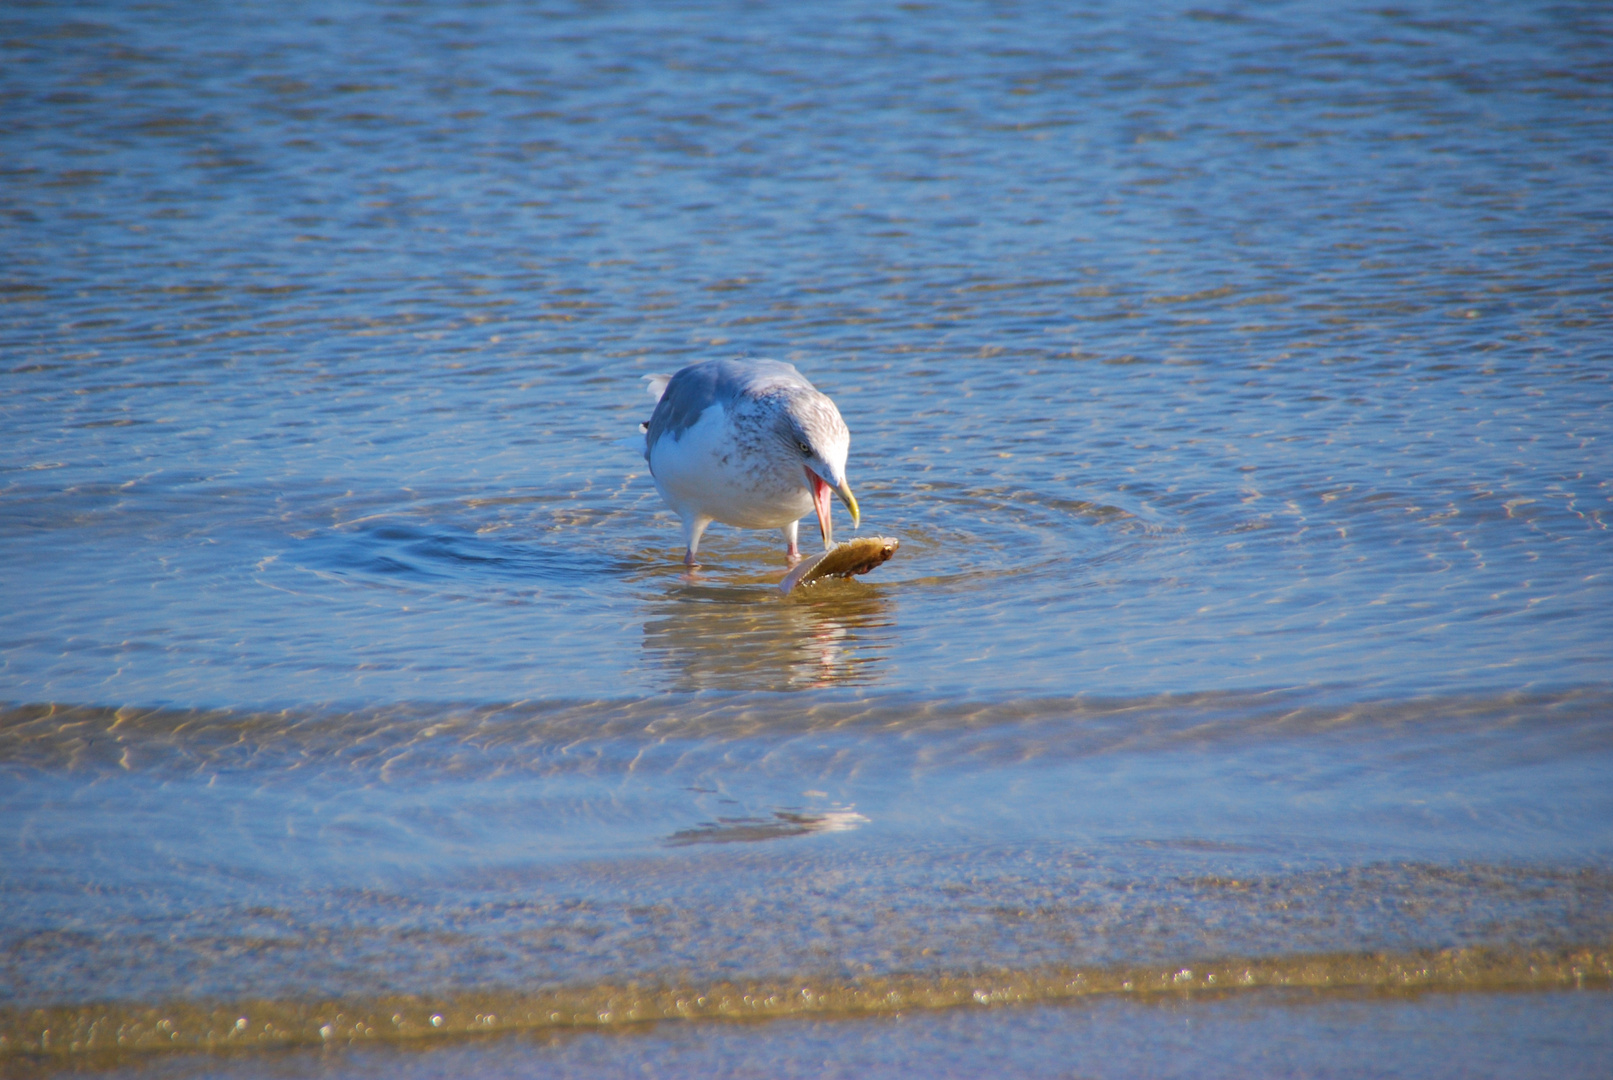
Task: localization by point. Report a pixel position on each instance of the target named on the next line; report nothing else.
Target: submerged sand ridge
(107, 1033)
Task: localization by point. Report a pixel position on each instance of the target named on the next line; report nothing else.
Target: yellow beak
(820, 502)
(851, 502)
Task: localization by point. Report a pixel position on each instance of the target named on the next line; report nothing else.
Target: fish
(846, 558)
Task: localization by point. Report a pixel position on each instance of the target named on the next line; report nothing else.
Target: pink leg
(792, 548)
(693, 527)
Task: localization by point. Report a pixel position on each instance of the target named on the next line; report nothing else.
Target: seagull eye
(805, 449)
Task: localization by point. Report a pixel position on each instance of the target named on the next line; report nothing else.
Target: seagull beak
(820, 503)
(851, 502)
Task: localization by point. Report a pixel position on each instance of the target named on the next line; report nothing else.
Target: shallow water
(1237, 383)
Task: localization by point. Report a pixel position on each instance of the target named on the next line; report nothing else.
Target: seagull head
(811, 429)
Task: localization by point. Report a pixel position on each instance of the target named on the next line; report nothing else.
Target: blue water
(1238, 382)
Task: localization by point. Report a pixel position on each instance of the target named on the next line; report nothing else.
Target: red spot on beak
(821, 493)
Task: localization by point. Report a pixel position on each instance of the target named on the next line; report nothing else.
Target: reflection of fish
(843, 560)
(782, 823)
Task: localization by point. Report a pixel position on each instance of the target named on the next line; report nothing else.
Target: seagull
(749, 443)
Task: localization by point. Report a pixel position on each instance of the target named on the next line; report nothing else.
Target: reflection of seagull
(748, 443)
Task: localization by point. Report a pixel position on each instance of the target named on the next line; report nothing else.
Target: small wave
(106, 1034)
(472, 739)
(393, 553)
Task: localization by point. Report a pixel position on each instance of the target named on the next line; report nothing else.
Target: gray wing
(699, 386)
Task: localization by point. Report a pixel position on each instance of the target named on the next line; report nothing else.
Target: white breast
(737, 478)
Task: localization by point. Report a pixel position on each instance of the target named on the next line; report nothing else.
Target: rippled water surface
(1238, 381)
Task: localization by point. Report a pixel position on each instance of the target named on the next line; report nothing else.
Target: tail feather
(655, 385)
